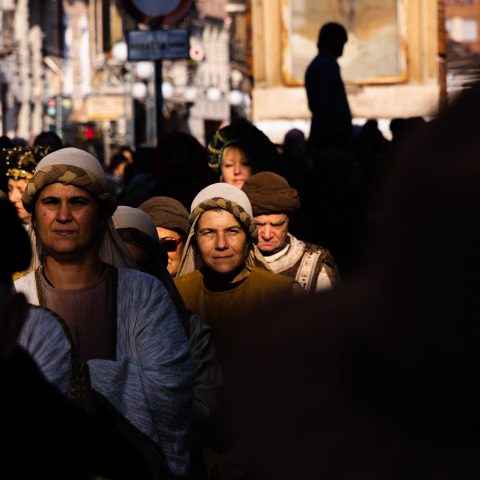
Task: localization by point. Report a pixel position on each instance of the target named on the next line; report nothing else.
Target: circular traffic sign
(163, 12)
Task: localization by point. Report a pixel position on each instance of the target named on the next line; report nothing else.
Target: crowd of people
(245, 310)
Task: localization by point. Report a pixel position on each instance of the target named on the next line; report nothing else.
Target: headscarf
(72, 166)
(258, 148)
(270, 193)
(135, 226)
(167, 213)
(234, 201)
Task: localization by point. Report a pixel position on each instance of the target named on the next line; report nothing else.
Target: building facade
(398, 42)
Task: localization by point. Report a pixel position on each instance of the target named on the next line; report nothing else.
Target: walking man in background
(331, 117)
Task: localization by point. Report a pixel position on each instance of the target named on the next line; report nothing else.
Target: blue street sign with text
(161, 44)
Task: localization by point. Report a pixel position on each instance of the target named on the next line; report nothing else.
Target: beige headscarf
(233, 200)
(72, 166)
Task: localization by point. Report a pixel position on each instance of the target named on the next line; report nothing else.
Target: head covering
(167, 213)
(225, 191)
(20, 162)
(129, 217)
(72, 166)
(270, 193)
(136, 226)
(258, 148)
(234, 201)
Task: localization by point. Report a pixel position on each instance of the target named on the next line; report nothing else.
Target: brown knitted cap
(270, 193)
(167, 213)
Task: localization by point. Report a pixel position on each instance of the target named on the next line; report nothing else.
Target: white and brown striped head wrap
(233, 200)
(70, 166)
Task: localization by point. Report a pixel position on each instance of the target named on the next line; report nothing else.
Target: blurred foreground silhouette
(377, 378)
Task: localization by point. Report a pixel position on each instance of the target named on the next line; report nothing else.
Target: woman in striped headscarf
(122, 321)
(222, 275)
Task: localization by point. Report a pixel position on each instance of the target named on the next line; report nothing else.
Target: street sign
(167, 44)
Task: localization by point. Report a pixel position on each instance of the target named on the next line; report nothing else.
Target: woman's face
(174, 250)
(236, 167)
(15, 191)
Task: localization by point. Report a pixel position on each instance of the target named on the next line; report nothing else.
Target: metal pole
(160, 123)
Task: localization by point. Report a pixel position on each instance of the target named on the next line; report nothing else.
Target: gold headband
(18, 174)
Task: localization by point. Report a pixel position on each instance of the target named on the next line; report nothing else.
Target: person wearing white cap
(123, 322)
(222, 272)
(137, 230)
(222, 275)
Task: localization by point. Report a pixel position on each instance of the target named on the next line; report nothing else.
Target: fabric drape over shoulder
(151, 380)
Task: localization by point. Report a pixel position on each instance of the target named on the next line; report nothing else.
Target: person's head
(48, 139)
(332, 38)
(222, 235)
(19, 164)
(71, 209)
(127, 152)
(118, 162)
(139, 233)
(294, 143)
(273, 201)
(171, 220)
(239, 150)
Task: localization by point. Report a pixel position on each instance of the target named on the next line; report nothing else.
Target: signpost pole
(160, 121)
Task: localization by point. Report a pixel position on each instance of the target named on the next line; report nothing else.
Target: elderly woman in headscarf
(223, 275)
(239, 150)
(123, 322)
(171, 220)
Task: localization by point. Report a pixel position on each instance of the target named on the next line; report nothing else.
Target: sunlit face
(173, 256)
(272, 232)
(67, 221)
(236, 168)
(15, 191)
(221, 241)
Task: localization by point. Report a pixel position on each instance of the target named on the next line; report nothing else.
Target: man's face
(15, 191)
(221, 241)
(67, 220)
(272, 232)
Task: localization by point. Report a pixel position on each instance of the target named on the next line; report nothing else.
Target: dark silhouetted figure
(331, 117)
(377, 379)
(49, 139)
